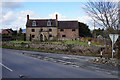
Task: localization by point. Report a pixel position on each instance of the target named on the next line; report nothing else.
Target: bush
(89, 39)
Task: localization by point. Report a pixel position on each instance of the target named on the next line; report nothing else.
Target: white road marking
(6, 67)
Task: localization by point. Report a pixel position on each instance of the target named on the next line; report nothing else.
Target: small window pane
(73, 30)
(61, 29)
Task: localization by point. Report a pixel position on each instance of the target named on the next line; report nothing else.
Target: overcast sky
(14, 13)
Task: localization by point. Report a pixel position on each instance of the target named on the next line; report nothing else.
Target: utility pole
(94, 32)
(104, 33)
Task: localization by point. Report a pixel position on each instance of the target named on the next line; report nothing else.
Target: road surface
(15, 65)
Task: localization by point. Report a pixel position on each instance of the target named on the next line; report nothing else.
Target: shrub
(89, 39)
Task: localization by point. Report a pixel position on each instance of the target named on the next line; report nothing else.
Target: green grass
(20, 41)
(75, 42)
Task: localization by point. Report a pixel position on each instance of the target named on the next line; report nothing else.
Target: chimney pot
(27, 17)
(56, 17)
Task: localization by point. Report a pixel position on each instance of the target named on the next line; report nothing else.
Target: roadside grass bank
(53, 51)
(72, 42)
(20, 41)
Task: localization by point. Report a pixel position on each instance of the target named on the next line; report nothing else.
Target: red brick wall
(69, 33)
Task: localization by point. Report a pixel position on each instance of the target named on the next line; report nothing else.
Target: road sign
(113, 38)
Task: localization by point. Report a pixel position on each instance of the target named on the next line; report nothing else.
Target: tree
(103, 12)
(20, 31)
(98, 31)
(84, 31)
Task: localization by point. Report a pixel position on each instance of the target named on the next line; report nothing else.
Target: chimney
(56, 17)
(27, 17)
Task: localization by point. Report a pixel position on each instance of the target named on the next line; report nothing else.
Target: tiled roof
(67, 24)
(41, 22)
(9, 30)
(61, 24)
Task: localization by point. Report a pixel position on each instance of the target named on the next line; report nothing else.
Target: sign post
(113, 38)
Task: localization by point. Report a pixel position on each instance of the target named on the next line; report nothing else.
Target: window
(34, 23)
(49, 23)
(33, 30)
(73, 30)
(63, 35)
(50, 29)
(33, 36)
(41, 29)
(61, 30)
(50, 35)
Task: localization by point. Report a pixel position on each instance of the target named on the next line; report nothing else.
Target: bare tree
(103, 12)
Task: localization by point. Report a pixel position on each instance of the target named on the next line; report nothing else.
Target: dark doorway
(41, 37)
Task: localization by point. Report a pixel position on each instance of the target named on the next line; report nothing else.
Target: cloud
(53, 15)
(56, 0)
(14, 0)
(11, 5)
(90, 22)
(16, 20)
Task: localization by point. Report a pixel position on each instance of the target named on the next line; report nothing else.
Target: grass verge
(51, 51)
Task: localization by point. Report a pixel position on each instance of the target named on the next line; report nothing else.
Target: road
(14, 65)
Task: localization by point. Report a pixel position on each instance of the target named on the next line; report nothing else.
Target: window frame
(64, 36)
(61, 30)
(33, 36)
(50, 30)
(33, 23)
(48, 23)
(50, 35)
(32, 30)
(41, 30)
(73, 30)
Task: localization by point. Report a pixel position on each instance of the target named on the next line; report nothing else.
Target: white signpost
(113, 38)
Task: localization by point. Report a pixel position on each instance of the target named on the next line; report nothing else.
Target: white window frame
(48, 23)
(34, 23)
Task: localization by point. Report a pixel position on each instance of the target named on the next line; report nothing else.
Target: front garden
(72, 42)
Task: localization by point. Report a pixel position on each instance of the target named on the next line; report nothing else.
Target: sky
(14, 13)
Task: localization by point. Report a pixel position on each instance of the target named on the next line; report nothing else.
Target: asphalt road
(14, 65)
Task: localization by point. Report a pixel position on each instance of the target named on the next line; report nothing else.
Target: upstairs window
(33, 30)
(49, 23)
(73, 30)
(34, 23)
(61, 30)
(41, 30)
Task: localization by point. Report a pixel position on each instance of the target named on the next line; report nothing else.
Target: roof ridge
(42, 19)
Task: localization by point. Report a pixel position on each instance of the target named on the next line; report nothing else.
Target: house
(51, 29)
(7, 34)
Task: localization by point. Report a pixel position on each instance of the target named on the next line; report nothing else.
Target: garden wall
(72, 48)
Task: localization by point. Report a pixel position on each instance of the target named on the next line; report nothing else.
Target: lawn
(20, 41)
(75, 42)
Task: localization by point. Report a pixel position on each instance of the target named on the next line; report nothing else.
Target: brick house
(51, 29)
(7, 34)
